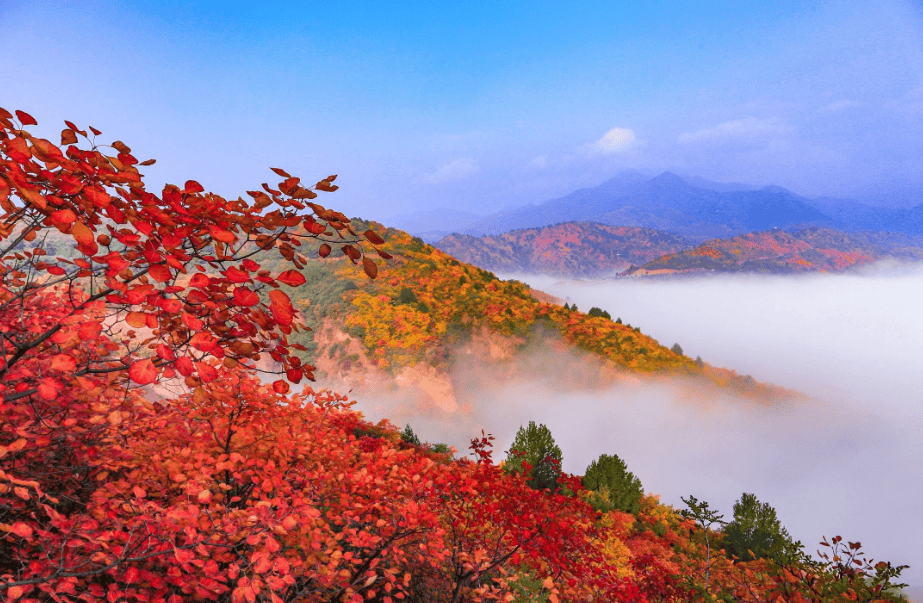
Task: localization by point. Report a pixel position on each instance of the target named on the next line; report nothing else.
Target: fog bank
(855, 341)
(846, 461)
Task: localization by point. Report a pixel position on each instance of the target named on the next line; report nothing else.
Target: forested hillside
(571, 249)
(426, 306)
(781, 252)
(143, 458)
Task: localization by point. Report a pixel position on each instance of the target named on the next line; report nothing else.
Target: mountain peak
(775, 188)
(668, 177)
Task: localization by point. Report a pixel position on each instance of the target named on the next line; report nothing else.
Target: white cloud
(458, 169)
(615, 141)
(840, 105)
(748, 128)
(540, 162)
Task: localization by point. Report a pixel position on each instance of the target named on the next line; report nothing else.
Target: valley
(851, 342)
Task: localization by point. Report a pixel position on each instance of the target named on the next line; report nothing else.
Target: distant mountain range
(700, 210)
(588, 249)
(691, 207)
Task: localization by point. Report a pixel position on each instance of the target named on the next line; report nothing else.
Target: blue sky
(477, 106)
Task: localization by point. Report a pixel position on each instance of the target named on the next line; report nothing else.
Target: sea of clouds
(845, 459)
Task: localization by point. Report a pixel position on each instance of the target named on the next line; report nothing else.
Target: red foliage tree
(106, 287)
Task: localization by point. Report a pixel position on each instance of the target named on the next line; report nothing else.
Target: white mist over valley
(843, 461)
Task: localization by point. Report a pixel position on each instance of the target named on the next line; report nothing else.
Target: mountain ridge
(594, 250)
(698, 209)
(427, 311)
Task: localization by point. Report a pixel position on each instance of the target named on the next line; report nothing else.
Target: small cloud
(615, 141)
(540, 162)
(458, 169)
(750, 127)
(838, 106)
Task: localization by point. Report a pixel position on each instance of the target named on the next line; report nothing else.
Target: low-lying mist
(845, 459)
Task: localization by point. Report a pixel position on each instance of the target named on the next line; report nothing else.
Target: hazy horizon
(418, 106)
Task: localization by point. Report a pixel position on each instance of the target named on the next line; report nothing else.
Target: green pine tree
(535, 445)
(612, 485)
(755, 532)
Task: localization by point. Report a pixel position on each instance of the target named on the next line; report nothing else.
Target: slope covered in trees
(142, 459)
(573, 249)
(781, 252)
(425, 306)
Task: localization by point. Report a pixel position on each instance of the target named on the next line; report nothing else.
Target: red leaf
(160, 273)
(203, 341)
(68, 137)
(89, 331)
(281, 307)
(193, 187)
(184, 366)
(143, 372)
(292, 278)
(236, 275)
(25, 118)
(84, 237)
(206, 371)
(245, 297)
(63, 217)
(221, 235)
(21, 529)
(97, 196)
(324, 250)
(369, 267)
(373, 237)
(191, 322)
(199, 281)
(48, 389)
(63, 362)
(136, 319)
(281, 387)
